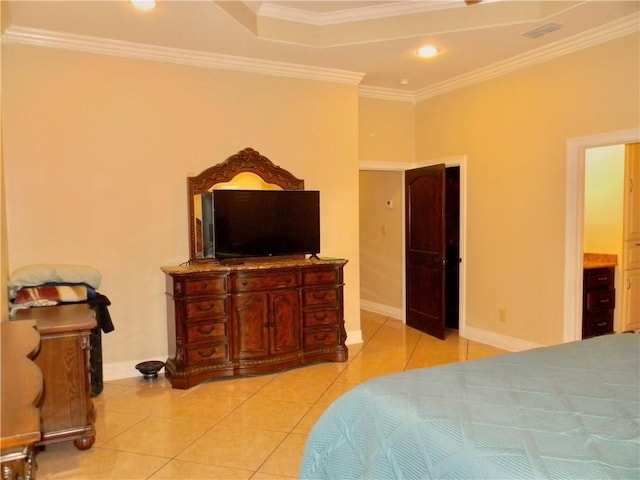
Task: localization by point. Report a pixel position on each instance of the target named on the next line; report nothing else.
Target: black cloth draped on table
(98, 304)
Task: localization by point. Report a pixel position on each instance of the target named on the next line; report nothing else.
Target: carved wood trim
(247, 160)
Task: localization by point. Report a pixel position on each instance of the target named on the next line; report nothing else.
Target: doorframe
(574, 223)
(458, 161)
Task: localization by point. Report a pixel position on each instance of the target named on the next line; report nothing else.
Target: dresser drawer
(597, 324)
(202, 331)
(207, 353)
(600, 300)
(319, 338)
(205, 286)
(242, 283)
(320, 296)
(321, 317)
(320, 277)
(599, 278)
(205, 308)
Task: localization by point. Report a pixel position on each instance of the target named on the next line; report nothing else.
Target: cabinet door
(285, 322)
(250, 317)
(66, 407)
(631, 300)
(632, 192)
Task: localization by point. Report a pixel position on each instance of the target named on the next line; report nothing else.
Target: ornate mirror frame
(247, 160)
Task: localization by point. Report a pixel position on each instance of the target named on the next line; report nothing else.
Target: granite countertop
(248, 264)
(599, 260)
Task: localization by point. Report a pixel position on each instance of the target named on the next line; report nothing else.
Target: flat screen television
(264, 223)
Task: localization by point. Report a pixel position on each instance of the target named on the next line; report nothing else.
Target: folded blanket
(55, 293)
(51, 295)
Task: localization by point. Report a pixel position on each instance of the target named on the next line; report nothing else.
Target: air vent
(543, 30)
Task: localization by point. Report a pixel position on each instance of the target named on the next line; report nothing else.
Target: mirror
(247, 170)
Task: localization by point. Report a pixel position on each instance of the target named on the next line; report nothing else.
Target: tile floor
(242, 428)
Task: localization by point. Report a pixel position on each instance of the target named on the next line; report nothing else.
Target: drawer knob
(604, 300)
(204, 354)
(320, 316)
(602, 324)
(206, 330)
(245, 283)
(320, 337)
(319, 295)
(205, 308)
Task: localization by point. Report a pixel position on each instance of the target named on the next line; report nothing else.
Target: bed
(560, 412)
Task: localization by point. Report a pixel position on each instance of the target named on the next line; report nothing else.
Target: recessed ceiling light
(144, 4)
(427, 51)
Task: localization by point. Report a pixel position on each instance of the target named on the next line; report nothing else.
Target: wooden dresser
(21, 387)
(598, 301)
(252, 318)
(67, 411)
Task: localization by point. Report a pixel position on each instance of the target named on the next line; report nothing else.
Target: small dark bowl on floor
(150, 369)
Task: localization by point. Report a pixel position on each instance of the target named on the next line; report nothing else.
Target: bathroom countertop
(599, 260)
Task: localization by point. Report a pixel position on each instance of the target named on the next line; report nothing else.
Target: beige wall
(514, 131)
(98, 148)
(604, 199)
(4, 251)
(381, 237)
(387, 138)
(387, 131)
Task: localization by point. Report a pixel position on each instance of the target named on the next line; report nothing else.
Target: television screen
(262, 223)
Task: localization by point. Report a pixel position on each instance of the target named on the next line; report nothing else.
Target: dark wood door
(425, 238)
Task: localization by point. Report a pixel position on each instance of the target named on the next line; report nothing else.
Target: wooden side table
(21, 386)
(67, 411)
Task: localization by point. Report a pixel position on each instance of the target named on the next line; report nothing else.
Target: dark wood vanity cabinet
(598, 301)
(258, 317)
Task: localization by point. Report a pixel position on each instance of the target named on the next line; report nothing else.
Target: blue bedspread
(570, 411)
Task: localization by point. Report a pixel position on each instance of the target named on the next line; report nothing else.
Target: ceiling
(372, 44)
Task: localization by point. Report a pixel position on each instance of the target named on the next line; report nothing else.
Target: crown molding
(604, 33)
(386, 166)
(610, 31)
(102, 46)
(374, 12)
(381, 93)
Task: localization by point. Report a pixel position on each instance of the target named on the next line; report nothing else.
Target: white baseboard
(119, 370)
(354, 336)
(511, 344)
(504, 342)
(392, 312)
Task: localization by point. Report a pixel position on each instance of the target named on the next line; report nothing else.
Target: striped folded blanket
(46, 295)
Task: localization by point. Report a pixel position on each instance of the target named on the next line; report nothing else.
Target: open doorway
(603, 224)
(382, 242)
(432, 248)
(574, 225)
